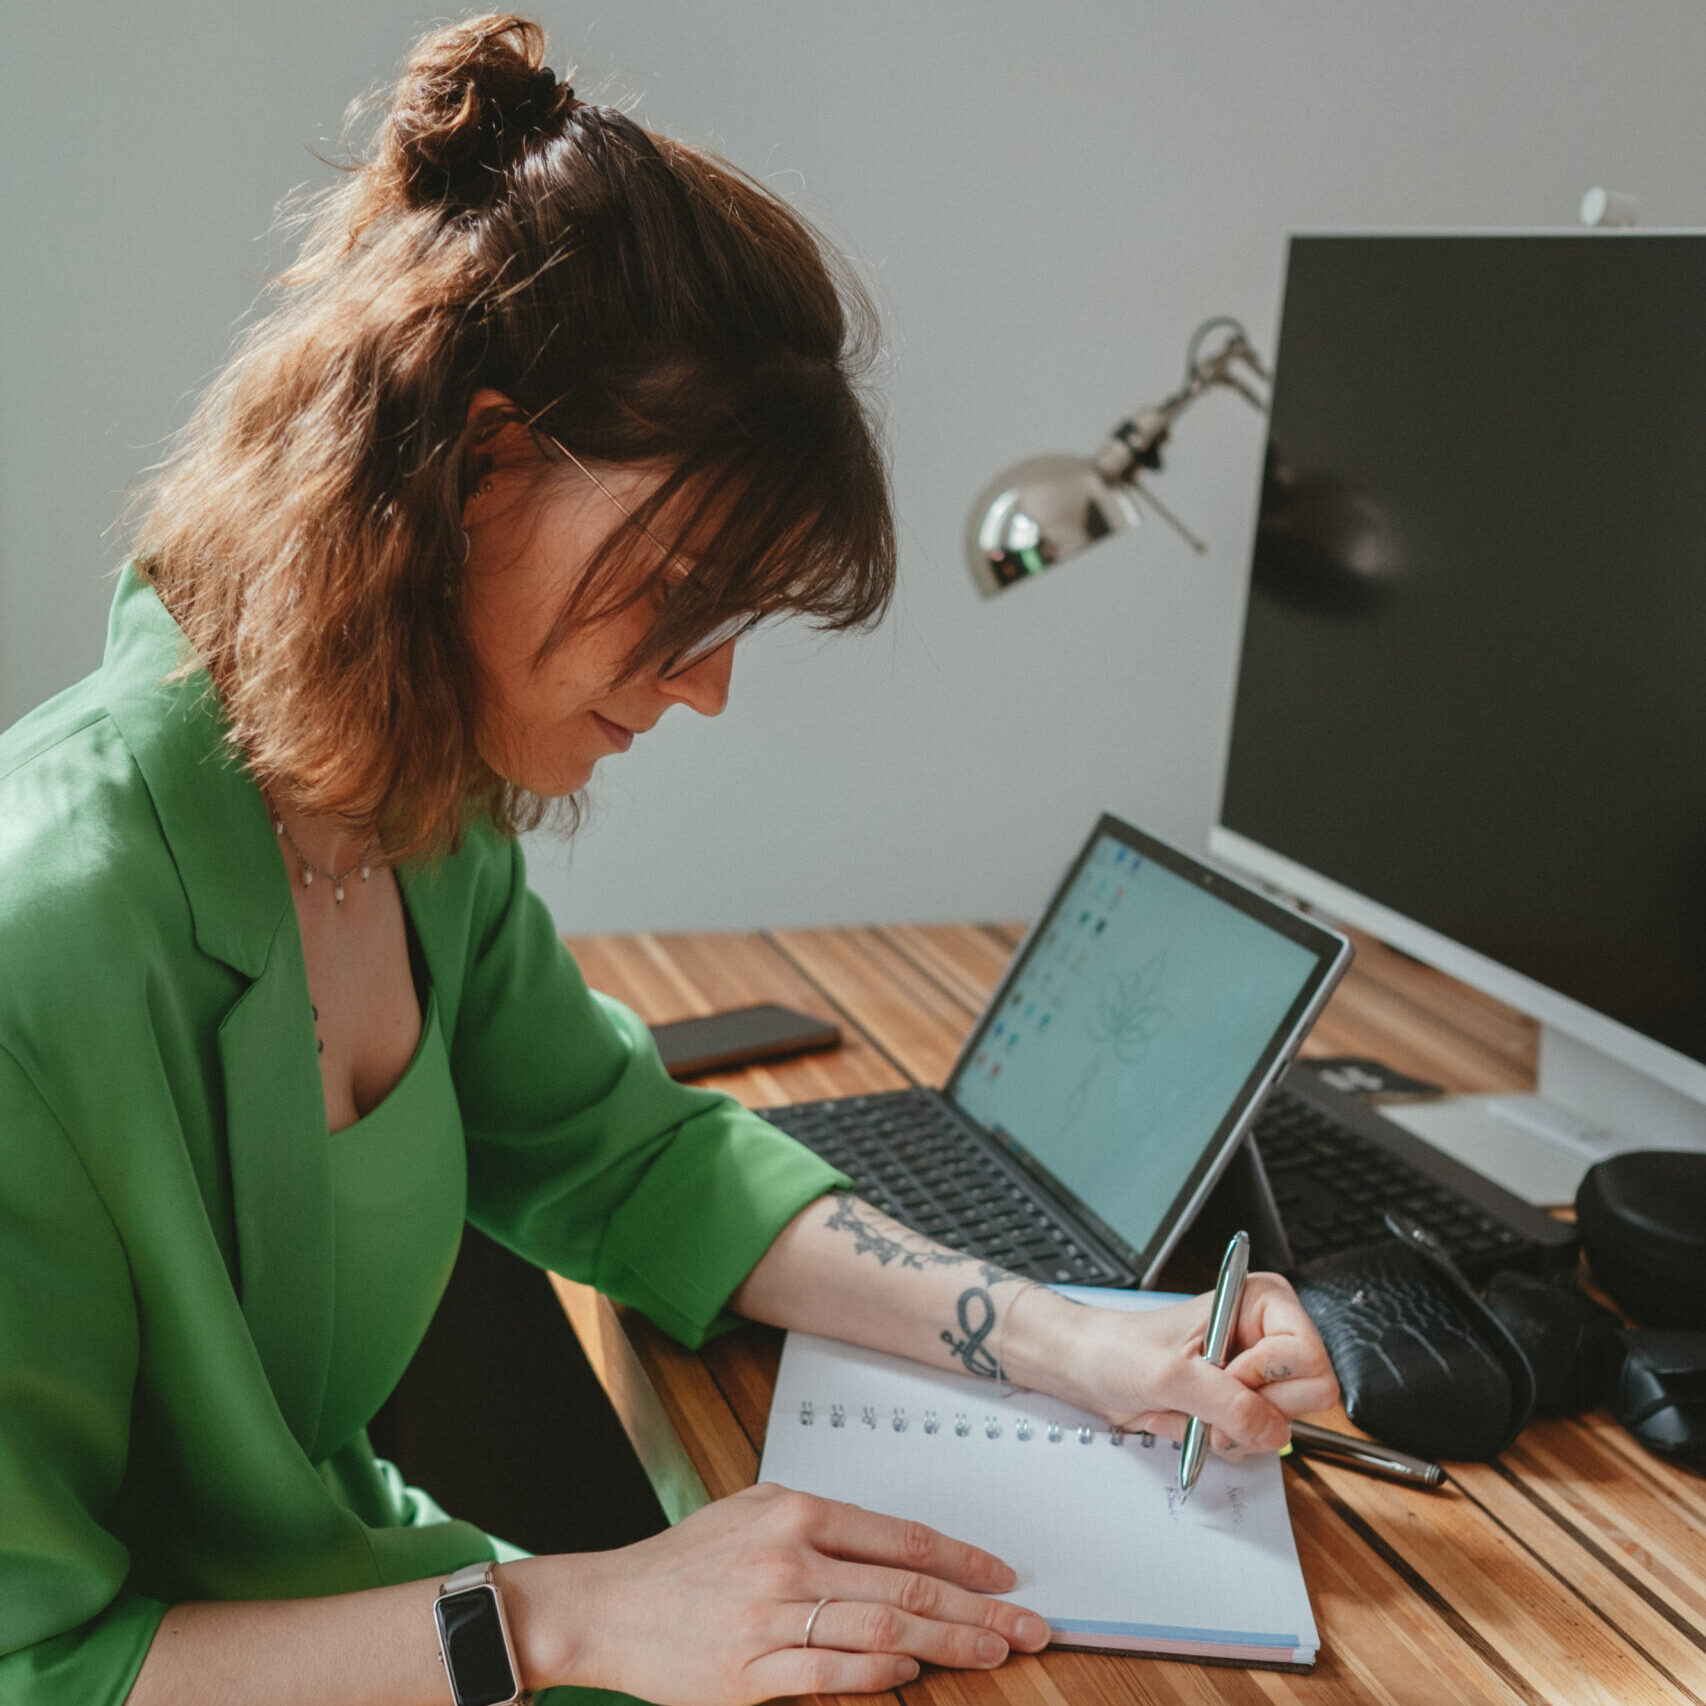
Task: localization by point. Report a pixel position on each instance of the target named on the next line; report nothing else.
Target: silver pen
(1228, 1293)
(1366, 1454)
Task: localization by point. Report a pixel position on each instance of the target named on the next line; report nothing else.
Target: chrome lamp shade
(1042, 511)
(1039, 512)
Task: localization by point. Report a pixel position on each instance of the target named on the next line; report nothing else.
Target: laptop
(1112, 1077)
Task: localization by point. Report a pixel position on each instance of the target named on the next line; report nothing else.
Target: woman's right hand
(712, 1612)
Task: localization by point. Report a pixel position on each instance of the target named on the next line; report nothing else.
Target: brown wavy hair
(636, 299)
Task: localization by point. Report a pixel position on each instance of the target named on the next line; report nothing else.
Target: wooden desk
(1574, 1570)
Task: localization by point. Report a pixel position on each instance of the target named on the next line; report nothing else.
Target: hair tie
(535, 104)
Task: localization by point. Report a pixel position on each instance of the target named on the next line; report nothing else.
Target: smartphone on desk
(743, 1036)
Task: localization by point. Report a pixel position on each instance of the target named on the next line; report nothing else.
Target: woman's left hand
(1145, 1371)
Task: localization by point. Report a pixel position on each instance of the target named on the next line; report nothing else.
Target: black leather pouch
(1423, 1363)
(1570, 1341)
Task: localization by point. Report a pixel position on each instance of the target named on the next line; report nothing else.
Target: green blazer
(165, 1215)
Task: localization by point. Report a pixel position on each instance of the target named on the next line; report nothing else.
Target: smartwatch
(473, 1640)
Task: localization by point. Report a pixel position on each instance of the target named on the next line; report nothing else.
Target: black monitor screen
(1473, 684)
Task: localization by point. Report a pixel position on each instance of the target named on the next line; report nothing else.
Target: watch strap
(469, 1576)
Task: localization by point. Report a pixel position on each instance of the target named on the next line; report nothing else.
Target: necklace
(310, 870)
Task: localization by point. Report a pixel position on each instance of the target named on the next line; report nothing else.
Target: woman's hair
(638, 300)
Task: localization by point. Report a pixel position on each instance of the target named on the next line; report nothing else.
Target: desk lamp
(1040, 512)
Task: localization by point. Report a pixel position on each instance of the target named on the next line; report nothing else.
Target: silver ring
(806, 1640)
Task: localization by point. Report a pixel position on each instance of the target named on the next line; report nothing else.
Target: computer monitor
(1471, 701)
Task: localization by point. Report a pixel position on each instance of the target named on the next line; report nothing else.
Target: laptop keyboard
(1333, 1187)
(907, 1155)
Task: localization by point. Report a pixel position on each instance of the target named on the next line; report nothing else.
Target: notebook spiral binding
(1024, 1429)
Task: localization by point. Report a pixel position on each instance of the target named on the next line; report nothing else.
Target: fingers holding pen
(1276, 1368)
(1276, 1351)
(1297, 1390)
(1274, 1336)
(1280, 1353)
(1238, 1415)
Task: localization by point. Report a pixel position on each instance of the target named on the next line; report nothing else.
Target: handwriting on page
(1236, 1504)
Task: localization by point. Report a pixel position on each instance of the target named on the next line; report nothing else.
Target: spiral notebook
(1090, 1519)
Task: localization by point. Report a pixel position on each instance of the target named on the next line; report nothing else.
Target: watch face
(476, 1655)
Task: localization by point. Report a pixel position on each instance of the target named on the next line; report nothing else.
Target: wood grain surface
(1573, 1570)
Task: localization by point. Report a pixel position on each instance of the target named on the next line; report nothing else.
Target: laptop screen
(1152, 1002)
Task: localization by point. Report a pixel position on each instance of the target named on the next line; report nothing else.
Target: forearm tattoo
(976, 1308)
(890, 1240)
(969, 1351)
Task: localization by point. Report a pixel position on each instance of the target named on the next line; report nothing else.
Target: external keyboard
(908, 1155)
(1334, 1184)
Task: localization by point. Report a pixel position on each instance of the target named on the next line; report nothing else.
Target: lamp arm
(1136, 442)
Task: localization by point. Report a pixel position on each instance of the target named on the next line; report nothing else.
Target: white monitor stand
(1588, 1107)
(1594, 1099)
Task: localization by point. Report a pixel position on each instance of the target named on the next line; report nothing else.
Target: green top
(178, 1380)
(399, 1194)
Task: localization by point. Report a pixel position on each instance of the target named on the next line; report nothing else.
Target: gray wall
(1045, 199)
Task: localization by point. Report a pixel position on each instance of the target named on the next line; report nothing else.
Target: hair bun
(545, 86)
(469, 100)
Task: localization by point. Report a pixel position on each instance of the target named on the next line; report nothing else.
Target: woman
(549, 412)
